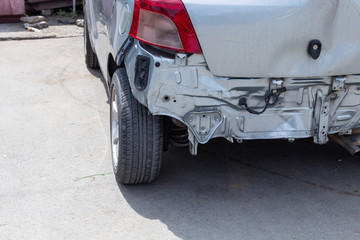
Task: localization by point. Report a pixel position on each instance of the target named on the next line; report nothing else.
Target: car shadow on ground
(254, 190)
(97, 73)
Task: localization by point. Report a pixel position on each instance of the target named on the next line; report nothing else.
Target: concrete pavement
(56, 29)
(56, 180)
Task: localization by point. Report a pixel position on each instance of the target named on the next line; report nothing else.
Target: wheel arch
(112, 66)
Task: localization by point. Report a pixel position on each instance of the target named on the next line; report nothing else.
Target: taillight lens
(164, 23)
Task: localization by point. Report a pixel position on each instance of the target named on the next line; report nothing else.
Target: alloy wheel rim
(114, 121)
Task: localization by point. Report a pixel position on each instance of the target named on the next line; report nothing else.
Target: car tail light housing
(164, 23)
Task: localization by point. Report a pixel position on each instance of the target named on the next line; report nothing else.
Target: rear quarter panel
(109, 23)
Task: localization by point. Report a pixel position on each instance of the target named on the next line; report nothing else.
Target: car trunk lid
(270, 38)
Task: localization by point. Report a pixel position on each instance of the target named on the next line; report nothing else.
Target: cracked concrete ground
(56, 180)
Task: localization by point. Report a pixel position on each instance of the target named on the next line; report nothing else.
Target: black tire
(137, 149)
(91, 59)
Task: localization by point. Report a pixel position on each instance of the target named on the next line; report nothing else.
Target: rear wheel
(136, 135)
(91, 59)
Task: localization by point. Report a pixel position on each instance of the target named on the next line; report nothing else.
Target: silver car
(181, 72)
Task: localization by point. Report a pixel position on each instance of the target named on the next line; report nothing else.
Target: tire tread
(141, 136)
(91, 59)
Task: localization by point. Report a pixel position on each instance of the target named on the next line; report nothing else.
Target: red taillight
(164, 23)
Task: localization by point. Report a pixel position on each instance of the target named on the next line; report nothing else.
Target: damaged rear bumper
(183, 88)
